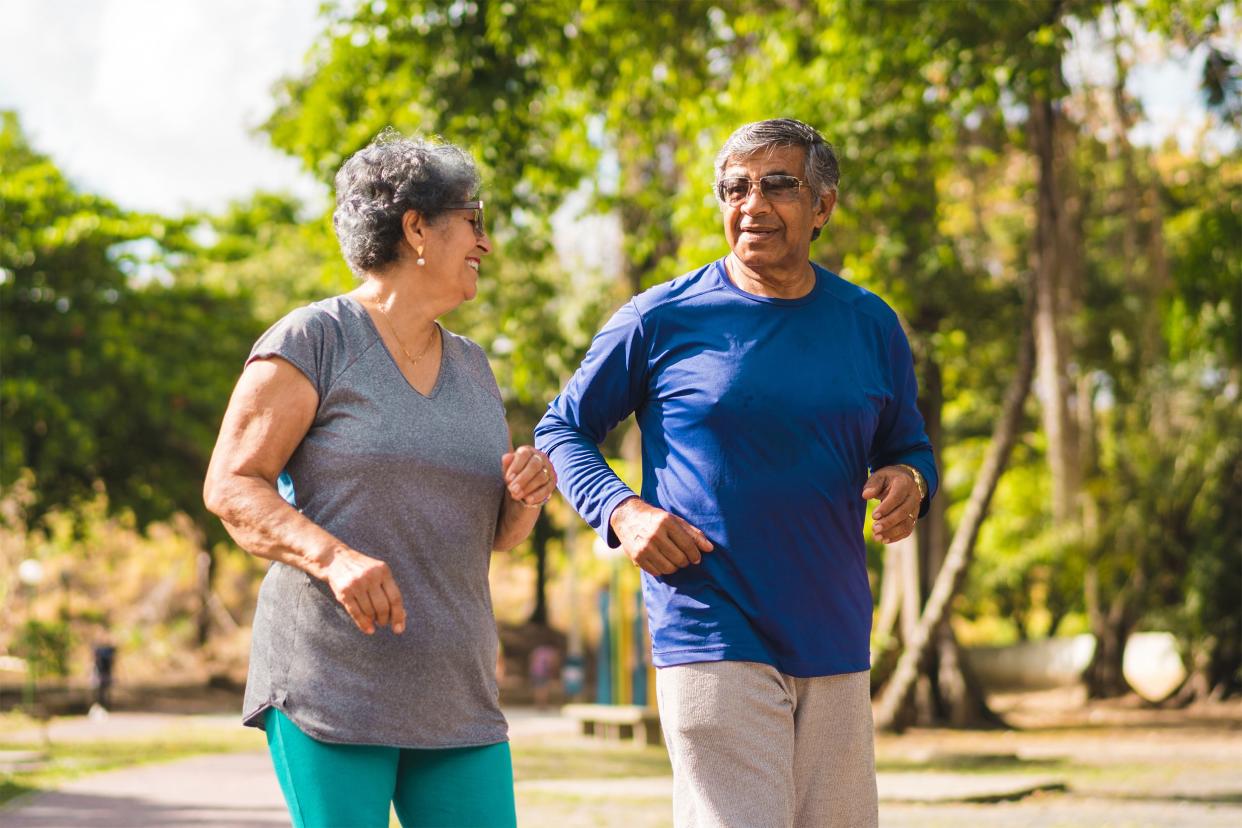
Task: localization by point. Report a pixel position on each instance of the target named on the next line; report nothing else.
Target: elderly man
(774, 399)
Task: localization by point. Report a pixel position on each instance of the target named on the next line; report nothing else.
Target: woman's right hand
(364, 586)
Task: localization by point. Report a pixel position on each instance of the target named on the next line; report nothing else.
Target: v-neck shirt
(411, 479)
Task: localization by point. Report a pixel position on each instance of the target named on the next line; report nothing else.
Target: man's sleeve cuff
(610, 505)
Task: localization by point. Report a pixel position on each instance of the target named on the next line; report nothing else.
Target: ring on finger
(547, 476)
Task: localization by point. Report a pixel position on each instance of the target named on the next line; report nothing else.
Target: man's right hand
(657, 542)
(364, 586)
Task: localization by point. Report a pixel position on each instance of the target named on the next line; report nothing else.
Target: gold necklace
(435, 329)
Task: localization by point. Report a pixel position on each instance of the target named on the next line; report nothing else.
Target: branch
(952, 574)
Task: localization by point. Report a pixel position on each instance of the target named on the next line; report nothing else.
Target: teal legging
(342, 786)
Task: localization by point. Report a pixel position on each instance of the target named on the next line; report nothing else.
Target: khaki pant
(752, 747)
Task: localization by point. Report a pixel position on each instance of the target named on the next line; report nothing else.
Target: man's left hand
(900, 500)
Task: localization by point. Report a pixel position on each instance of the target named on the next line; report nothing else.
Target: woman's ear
(412, 233)
(412, 224)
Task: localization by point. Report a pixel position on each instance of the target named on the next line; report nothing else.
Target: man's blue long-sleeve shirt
(760, 421)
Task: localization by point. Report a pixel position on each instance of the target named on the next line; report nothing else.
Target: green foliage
(45, 646)
(926, 104)
(1171, 509)
(467, 71)
(113, 373)
(490, 77)
(121, 334)
(263, 249)
(1205, 249)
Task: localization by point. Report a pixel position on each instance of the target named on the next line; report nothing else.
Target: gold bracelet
(918, 480)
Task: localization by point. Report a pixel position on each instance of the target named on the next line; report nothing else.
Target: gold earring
(420, 261)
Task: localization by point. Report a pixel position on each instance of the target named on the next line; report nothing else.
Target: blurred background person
(104, 661)
(544, 660)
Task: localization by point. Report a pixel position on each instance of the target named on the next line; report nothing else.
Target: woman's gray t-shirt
(415, 481)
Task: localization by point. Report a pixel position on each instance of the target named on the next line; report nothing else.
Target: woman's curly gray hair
(376, 186)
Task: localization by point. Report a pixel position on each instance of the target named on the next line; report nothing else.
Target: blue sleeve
(901, 436)
(608, 387)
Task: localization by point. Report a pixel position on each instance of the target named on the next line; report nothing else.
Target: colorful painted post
(603, 659)
(621, 634)
(623, 674)
(638, 672)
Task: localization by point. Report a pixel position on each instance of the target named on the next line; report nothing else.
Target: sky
(154, 103)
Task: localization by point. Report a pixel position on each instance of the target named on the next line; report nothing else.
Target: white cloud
(153, 104)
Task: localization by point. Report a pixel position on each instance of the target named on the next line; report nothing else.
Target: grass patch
(70, 760)
(12, 721)
(10, 789)
(582, 760)
(975, 764)
(542, 808)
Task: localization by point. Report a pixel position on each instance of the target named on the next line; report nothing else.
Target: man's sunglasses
(733, 191)
(476, 219)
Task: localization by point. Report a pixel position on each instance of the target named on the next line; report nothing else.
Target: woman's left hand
(529, 476)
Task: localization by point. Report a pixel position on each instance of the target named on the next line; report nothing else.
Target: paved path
(234, 789)
(125, 726)
(239, 790)
(893, 787)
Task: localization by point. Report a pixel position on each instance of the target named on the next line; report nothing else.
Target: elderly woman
(365, 452)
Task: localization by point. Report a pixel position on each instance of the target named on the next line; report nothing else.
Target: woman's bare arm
(270, 412)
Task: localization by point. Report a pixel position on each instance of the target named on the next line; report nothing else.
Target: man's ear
(827, 203)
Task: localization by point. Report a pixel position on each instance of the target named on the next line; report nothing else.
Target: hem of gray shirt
(255, 719)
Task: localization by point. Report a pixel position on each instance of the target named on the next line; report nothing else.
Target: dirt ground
(1121, 763)
(1117, 764)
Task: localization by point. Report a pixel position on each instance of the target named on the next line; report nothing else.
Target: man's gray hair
(380, 182)
(821, 171)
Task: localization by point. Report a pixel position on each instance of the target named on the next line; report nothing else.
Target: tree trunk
(1104, 677)
(204, 582)
(921, 708)
(641, 168)
(962, 700)
(539, 538)
(1050, 336)
(944, 692)
(885, 634)
(891, 714)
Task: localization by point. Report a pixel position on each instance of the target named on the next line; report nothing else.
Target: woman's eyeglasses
(733, 191)
(476, 220)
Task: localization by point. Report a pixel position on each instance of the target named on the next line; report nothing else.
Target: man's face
(773, 235)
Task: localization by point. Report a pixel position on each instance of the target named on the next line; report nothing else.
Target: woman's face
(454, 251)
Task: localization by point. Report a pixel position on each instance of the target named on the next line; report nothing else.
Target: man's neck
(792, 283)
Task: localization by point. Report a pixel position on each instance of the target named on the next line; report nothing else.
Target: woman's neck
(400, 303)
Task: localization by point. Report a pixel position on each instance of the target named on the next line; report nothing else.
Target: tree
(114, 375)
(893, 709)
(945, 115)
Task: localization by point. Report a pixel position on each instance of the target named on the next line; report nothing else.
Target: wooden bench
(617, 721)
